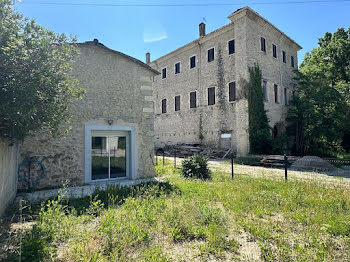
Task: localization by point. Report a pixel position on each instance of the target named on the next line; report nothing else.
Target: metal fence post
(175, 160)
(285, 167)
(156, 158)
(232, 171)
(163, 158)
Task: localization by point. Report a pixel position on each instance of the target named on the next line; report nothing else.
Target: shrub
(195, 166)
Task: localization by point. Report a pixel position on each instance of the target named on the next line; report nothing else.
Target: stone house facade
(112, 134)
(198, 95)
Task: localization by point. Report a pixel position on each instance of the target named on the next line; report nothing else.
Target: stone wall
(8, 174)
(183, 126)
(274, 70)
(117, 89)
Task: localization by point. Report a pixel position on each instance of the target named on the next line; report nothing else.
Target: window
(193, 99)
(232, 91)
(275, 89)
(285, 97)
(265, 90)
(263, 44)
(210, 55)
(98, 143)
(193, 62)
(177, 103)
(163, 73)
(274, 51)
(292, 61)
(284, 56)
(211, 96)
(163, 106)
(177, 68)
(231, 47)
(110, 160)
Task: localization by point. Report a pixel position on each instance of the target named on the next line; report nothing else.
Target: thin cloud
(150, 39)
(154, 31)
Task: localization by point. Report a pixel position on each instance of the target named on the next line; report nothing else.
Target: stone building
(198, 95)
(112, 135)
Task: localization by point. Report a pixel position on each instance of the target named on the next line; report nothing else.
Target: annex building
(198, 95)
(111, 136)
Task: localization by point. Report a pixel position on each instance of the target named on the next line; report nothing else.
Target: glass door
(108, 156)
(117, 152)
(99, 158)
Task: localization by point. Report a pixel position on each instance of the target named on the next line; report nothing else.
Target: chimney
(201, 29)
(148, 58)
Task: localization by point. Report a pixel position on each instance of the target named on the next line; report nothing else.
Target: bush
(195, 166)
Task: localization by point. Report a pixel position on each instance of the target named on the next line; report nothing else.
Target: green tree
(330, 61)
(328, 65)
(259, 129)
(36, 84)
(316, 117)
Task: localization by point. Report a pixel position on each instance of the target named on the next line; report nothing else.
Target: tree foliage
(36, 84)
(259, 129)
(330, 61)
(319, 117)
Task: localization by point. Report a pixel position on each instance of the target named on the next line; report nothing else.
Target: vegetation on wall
(36, 84)
(220, 79)
(259, 131)
(200, 136)
(319, 116)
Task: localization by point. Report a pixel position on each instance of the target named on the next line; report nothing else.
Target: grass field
(247, 219)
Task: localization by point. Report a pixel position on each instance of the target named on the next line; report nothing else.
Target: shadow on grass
(116, 195)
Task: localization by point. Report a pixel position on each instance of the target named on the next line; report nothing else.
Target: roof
(225, 26)
(247, 8)
(95, 42)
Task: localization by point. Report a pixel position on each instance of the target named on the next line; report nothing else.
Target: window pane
(292, 61)
(275, 87)
(211, 55)
(232, 91)
(193, 100)
(284, 56)
(274, 51)
(164, 73)
(192, 62)
(211, 96)
(263, 47)
(163, 106)
(117, 149)
(177, 68)
(99, 158)
(231, 47)
(177, 103)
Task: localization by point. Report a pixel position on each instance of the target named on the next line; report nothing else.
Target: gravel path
(340, 177)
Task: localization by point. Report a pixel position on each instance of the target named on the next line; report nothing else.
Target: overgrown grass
(191, 219)
(249, 160)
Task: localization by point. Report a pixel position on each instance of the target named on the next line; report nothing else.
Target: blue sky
(159, 30)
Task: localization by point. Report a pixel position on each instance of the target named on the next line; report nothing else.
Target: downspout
(200, 92)
(281, 78)
(199, 74)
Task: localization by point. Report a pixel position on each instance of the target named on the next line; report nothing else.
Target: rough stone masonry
(119, 96)
(219, 61)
